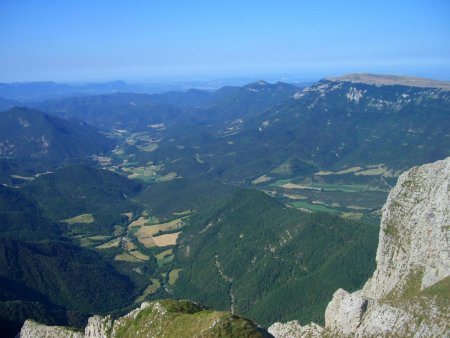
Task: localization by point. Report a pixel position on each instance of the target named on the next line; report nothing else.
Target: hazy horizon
(208, 40)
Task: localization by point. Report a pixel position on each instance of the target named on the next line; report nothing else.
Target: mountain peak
(387, 80)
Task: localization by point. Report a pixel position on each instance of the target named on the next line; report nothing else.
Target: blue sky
(138, 40)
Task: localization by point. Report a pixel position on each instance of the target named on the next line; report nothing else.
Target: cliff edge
(409, 292)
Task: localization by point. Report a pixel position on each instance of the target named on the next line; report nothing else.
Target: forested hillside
(262, 259)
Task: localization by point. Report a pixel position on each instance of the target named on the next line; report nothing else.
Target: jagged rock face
(294, 330)
(31, 329)
(413, 255)
(98, 327)
(408, 295)
(415, 231)
(345, 311)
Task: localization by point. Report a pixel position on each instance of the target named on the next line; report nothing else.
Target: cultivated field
(151, 289)
(173, 276)
(145, 234)
(168, 239)
(115, 243)
(83, 219)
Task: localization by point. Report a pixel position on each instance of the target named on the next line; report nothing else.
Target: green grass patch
(312, 207)
(149, 290)
(173, 276)
(262, 179)
(80, 219)
(164, 257)
(115, 243)
(284, 169)
(182, 213)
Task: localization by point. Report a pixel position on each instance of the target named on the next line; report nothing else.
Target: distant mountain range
(338, 124)
(26, 92)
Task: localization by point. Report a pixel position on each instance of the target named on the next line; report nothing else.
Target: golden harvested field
(139, 222)
(378, 171)
(370, 170)
(111, 244)
(341, 172)
(126, 257)
(129, 246)
(261, 179)
(168, 239)
(146, 233)
(147, 242)
(83, 218)
(150, 230)
(139, 255)
(295, 197)
(294, 186)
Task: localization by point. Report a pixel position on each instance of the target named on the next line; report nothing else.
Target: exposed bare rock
(294, 330)
(345, 311)
(415, 232)
(32, 329)
(98, 327)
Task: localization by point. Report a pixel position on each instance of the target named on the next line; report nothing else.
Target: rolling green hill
(232, 102)
(115, 111)
(29, 135)
(79, 190)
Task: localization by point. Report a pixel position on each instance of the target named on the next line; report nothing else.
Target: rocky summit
(409, 292)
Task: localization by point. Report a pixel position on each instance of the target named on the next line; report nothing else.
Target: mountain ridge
(384, 80)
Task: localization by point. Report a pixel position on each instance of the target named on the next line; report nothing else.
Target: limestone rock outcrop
(415, 232)
(32, 329)
(293, 329)
(409, 292)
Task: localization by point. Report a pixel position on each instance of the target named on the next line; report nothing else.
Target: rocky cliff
(165, 318)
(409, 293)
